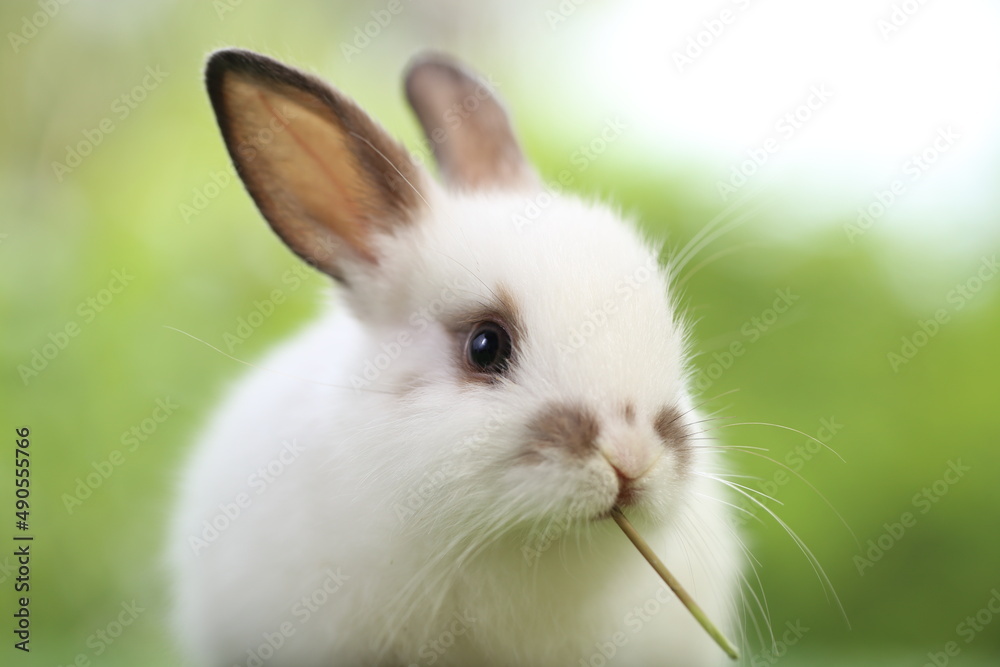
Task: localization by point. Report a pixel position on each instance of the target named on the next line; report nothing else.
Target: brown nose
(627, 493)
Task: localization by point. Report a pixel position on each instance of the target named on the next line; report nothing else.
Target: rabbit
(425, 474)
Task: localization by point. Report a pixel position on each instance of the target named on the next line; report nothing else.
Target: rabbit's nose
(630, 455)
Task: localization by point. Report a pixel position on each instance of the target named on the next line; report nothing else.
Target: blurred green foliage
(122, 209)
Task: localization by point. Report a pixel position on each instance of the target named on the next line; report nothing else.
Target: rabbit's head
(525, 361)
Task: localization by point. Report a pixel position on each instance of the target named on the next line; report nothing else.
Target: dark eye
(489, 348)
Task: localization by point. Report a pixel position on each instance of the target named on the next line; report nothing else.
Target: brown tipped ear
(324, 174)
(466, 125)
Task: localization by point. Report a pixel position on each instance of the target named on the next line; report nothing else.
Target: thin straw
(675, 585)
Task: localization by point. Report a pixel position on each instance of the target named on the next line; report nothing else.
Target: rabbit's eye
(489, 348)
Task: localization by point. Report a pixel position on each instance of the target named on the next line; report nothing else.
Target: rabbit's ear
(324, 174)
(467, 126)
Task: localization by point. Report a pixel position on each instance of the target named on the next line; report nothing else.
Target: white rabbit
(424, 476)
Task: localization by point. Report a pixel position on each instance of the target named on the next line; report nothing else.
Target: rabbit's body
(393, 488)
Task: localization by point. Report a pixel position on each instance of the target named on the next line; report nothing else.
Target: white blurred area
(702, 87)
(913, 98)
(898, 75)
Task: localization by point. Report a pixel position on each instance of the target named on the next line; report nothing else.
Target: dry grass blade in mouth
(675, 585)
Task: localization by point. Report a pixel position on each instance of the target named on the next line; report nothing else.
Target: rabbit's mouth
(628, 493)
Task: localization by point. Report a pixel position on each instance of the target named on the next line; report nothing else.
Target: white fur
(336, 505)
(359, 501)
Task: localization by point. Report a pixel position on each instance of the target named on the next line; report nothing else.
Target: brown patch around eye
(502, 308)
(673, 430)
(568, 428)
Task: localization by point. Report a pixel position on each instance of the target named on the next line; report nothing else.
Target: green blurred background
(153, 200)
